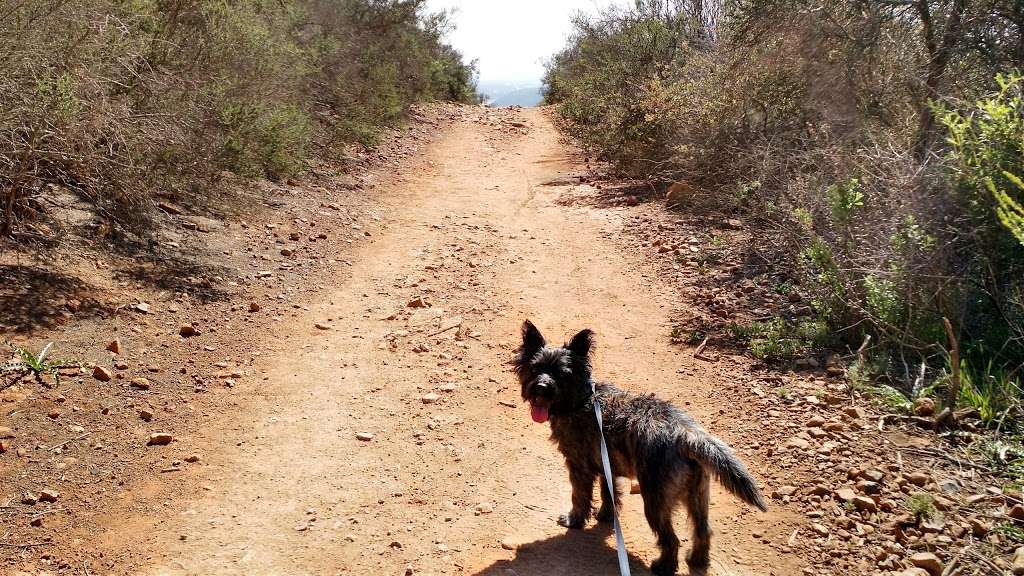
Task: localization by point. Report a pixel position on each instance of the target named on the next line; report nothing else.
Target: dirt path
(450, 486)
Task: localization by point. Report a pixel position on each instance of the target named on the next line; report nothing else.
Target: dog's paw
(605, 514)
(570, 520)
(664, 566)
(698, 563)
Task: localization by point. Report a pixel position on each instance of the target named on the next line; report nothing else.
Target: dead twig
(940, 454)
(863, 347)
(42, 513)
(69, 441)
(699, 352)
(946, 420)
(984, 560)
(443, 330)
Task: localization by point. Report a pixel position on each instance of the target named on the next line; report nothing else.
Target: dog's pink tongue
(539, 413)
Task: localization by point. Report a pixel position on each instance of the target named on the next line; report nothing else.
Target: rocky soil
(312, 379)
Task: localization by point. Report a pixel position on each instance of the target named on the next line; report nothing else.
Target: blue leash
(610, 481)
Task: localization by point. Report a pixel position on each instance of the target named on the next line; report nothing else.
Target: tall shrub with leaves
(117, 100)
(986, 155)
(987, 152)
(821, 121)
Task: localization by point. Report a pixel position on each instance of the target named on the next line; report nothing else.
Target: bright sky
(511, 40)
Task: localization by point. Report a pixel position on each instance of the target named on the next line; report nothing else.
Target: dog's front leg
(582, 497)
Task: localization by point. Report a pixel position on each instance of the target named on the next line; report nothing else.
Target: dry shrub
(120, 101)
(820, 120)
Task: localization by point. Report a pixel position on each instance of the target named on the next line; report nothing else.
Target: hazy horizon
(511, 41)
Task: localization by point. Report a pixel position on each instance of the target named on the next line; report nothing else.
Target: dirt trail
(287, 488)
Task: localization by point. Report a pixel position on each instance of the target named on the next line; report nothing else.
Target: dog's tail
(718, 459)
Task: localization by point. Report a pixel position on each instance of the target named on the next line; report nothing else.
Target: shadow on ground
(186, 269)
(177, 274)
(570, 554)
(44, 297)
(32, 298)
(608, 195)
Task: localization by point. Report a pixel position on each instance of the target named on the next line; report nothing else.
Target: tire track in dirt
(288, 488)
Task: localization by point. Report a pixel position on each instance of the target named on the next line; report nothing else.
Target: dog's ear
(533, 340)
(581, 343)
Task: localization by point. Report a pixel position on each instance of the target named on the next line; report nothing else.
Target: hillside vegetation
(876, 146)
(121, 100)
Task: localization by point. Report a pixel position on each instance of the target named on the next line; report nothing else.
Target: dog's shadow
(570, 554)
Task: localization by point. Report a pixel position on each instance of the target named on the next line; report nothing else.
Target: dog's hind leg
(658, 509)
(697, 499)
(582, 497)
(605, 513)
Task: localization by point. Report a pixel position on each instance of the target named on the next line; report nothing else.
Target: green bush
(987, 147)
(115, 99)
(837, 111)
(779, 340)
(264, 141)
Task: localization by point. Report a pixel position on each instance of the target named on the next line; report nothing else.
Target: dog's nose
(542, 385)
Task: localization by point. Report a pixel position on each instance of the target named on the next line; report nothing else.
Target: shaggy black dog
(668, 453)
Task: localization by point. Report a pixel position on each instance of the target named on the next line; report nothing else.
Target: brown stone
(845, 494)
(819, 529)
(917, 478)
(1017, 513)
(115, 346)
(853, 412)
(102, 374)
(159, 439)
(820, 490)
(873, 475)
(864, 504)
(816, 421)
(924, 406)
(783, 491)
(798, 443)
(927, 561)
(933, 525)
(169, 208)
